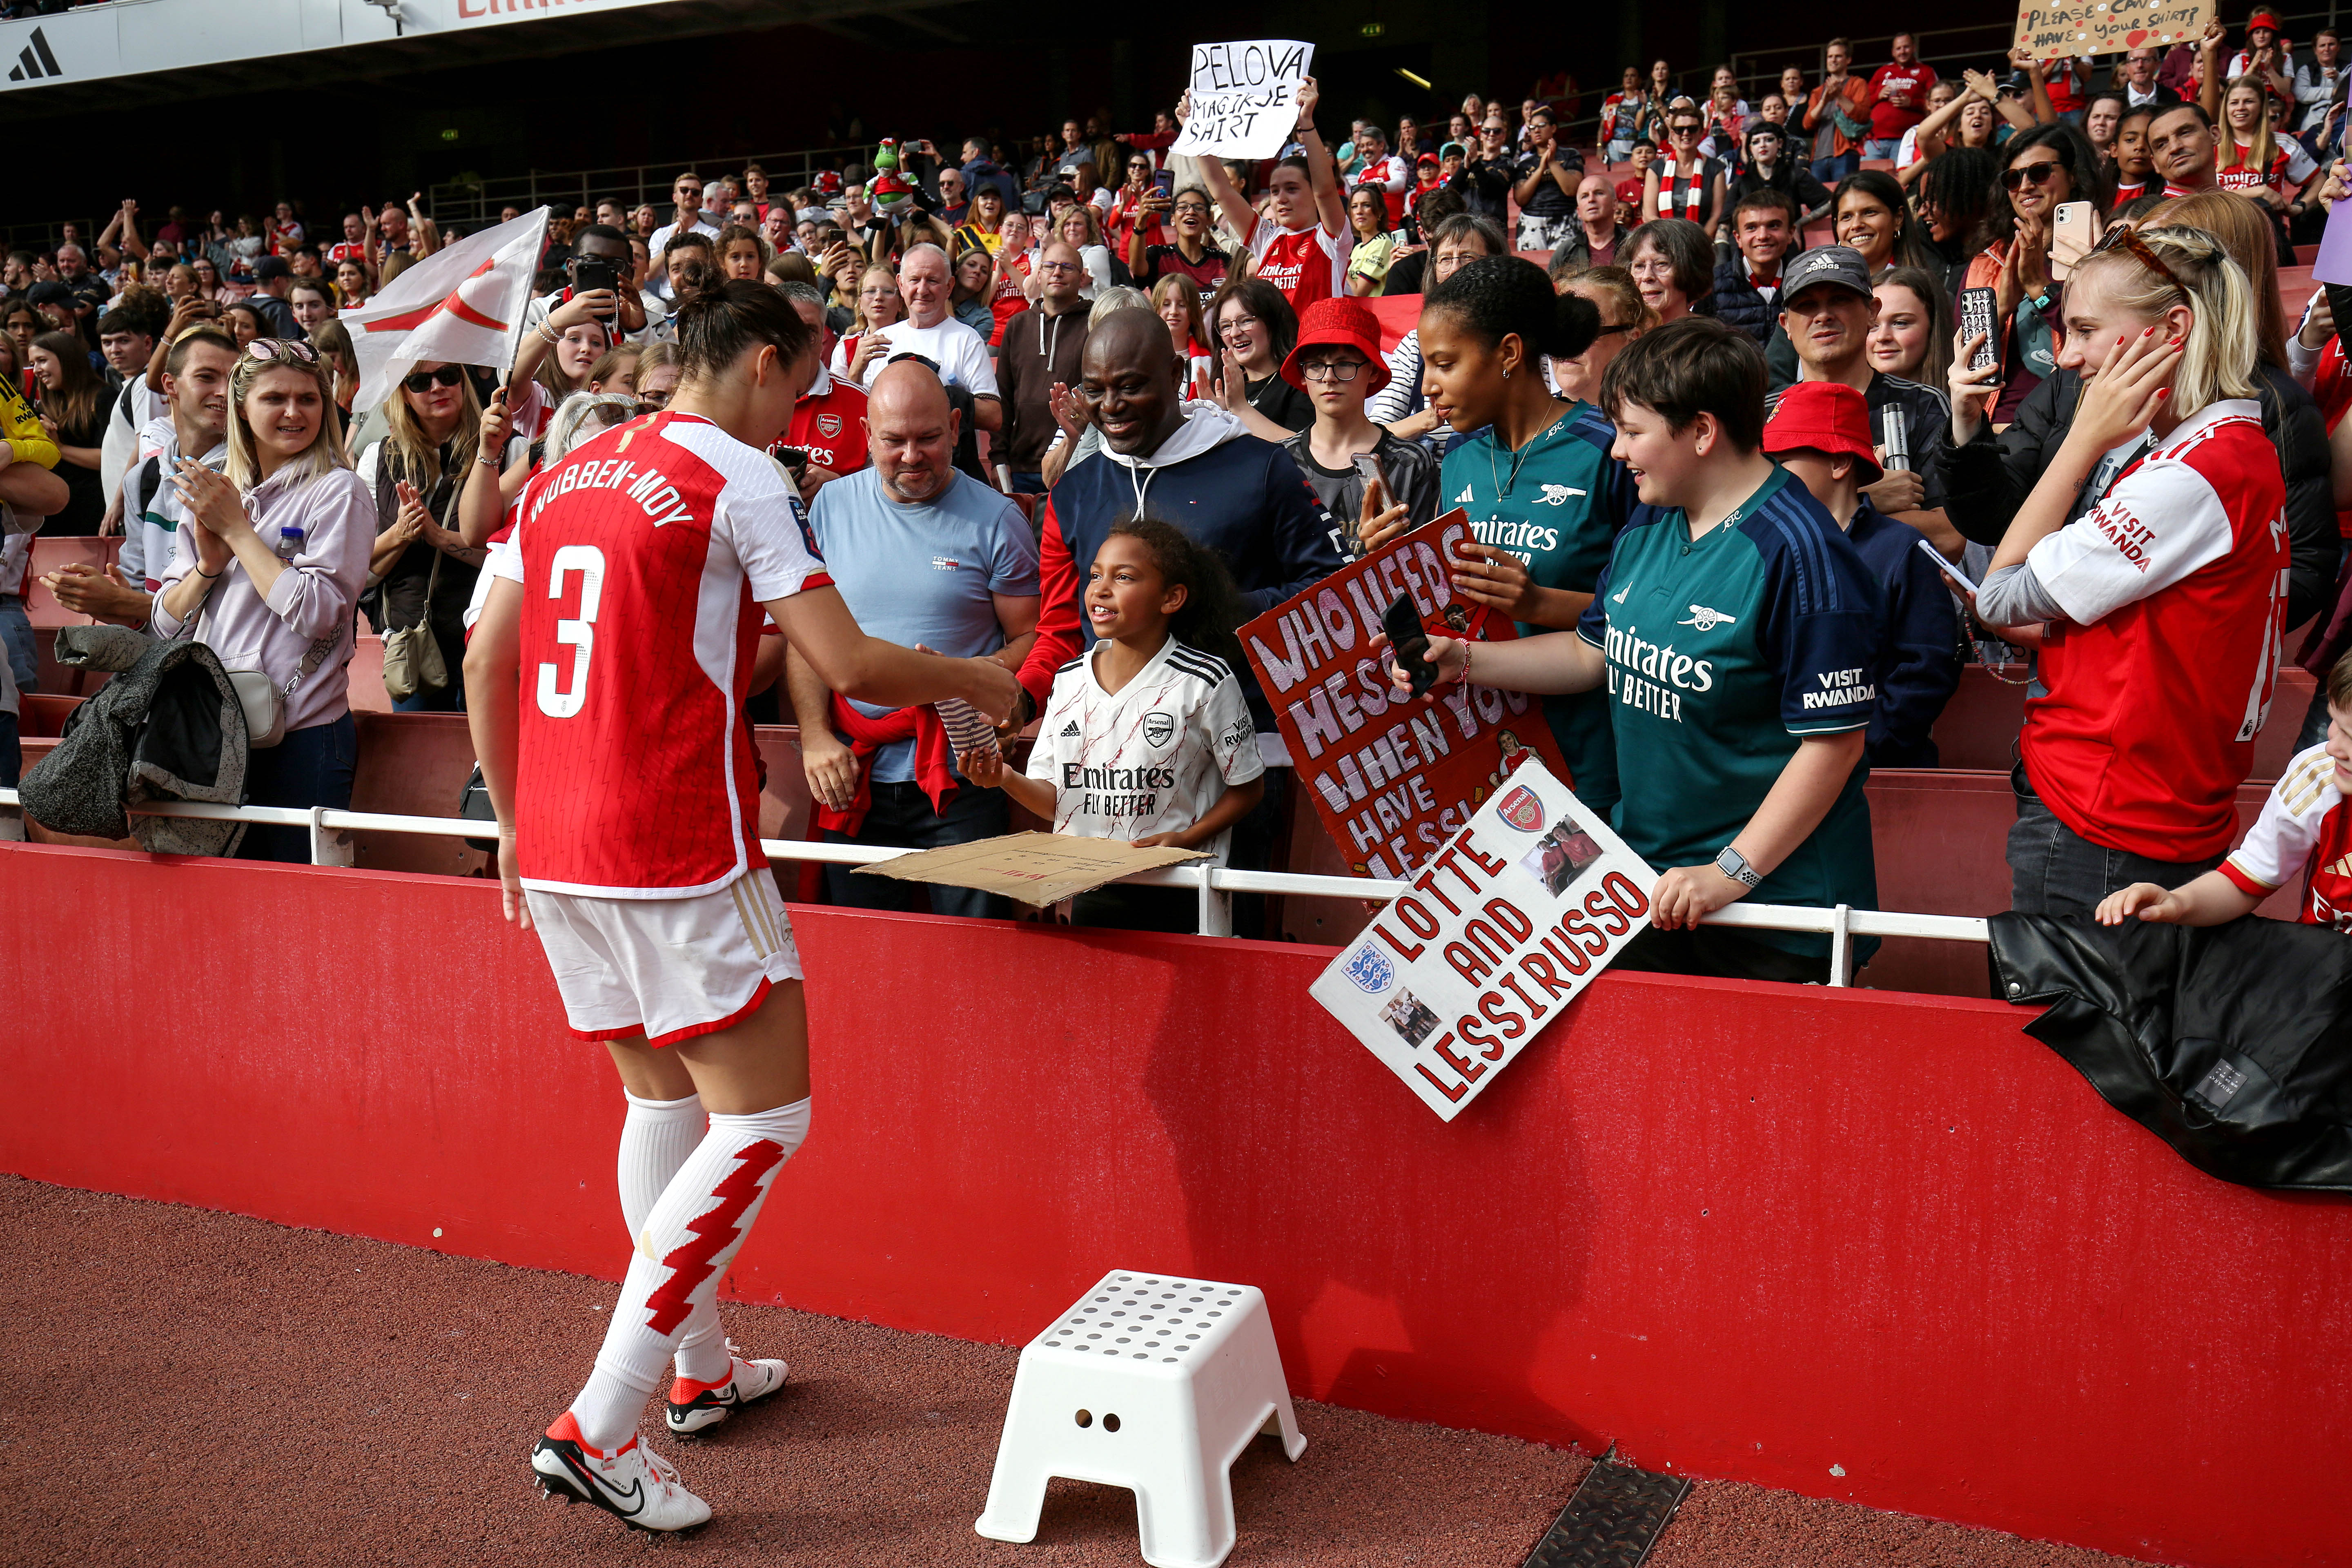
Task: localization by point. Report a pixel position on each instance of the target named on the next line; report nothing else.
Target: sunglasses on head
(448, 375)
(2017, 174)
(281, 348)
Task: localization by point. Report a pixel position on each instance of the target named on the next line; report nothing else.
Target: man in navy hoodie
(1820, 432)
(1194, 465)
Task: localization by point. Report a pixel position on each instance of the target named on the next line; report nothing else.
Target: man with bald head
(1196, 467)
(924, 555)
(958, 354)
(1044, 347)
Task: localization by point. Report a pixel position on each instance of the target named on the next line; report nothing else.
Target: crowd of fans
(1703, 321)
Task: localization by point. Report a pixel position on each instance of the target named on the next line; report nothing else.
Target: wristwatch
(1734, 865)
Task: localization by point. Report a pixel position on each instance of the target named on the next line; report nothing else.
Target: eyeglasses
(424, 379)
(1339, 370)
(1059, 266)
(2017, 174)
(1191, 207)
(1682, 130)
(650, 401)
(281, 348)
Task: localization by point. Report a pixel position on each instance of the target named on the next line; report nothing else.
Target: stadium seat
(366, 669)
(43, 716)
(50, 553)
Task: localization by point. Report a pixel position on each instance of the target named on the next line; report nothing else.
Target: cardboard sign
(1038, 868)
(1245, 98)
(2071, 29)
(1513, 917)
(1392, 779)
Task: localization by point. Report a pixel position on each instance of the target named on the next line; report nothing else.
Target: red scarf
(934, 762)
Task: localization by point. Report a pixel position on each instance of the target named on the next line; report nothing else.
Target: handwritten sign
(1245, 98)
(2074, 28)
(1392, 779)
(1515, 916)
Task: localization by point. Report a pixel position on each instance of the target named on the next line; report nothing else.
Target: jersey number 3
(579, 632)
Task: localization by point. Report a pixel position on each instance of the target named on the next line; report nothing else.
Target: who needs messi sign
(1393, 778)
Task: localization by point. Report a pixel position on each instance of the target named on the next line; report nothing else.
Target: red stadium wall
(1861, 1246)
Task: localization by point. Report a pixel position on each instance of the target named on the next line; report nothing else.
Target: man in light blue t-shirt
(922, 554)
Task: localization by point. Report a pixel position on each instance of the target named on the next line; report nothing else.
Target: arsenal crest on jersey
(1522, 810)
(828, 425)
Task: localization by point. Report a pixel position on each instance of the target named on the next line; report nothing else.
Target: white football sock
(656, 1137)
(682, 1251)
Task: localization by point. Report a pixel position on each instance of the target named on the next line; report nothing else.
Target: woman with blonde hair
(421, 570)
(266, 575)
(2159, 645)
(2250, 160)
(878, 305)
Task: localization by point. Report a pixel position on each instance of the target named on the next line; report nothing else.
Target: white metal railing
(1214, 885)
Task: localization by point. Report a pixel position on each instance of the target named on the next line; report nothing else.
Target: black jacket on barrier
(1987, 481)
(167, 727)
(2192, 1034)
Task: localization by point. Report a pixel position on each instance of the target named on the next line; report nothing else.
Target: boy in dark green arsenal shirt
(1736, 633)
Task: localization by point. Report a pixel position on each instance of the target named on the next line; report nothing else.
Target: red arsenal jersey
(2175, 592)
(1306, 264)
(2303, 827)
(830, 421)
(645, 556)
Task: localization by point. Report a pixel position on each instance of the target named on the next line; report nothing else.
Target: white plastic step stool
(1153, 1383)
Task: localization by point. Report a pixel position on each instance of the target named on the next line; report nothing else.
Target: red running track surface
(188, 1388)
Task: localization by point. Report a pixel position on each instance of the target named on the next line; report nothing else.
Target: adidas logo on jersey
(1619, 596)
(2340, 867)
(1461, 500)
(1070, 731)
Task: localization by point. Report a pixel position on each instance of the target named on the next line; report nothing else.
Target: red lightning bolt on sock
(713, 1232)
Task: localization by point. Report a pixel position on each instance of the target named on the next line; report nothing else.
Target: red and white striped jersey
(2302, 824)
(2175, 591)
(645, 556)
(1307, 264)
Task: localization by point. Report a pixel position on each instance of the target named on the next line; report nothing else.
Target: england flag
(463, 305)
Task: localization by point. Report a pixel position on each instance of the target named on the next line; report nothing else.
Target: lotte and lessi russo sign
(2072, 29)
(1502, 928)
(1391, 778)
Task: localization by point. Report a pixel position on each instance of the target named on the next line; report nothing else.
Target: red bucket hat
(1822, 416)
(2263, 19)
(1342, 323)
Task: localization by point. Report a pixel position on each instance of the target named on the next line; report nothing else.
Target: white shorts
(669, 968)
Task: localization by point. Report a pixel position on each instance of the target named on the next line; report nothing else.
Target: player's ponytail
(1497, 297)
(1211, 606)
(721, 320)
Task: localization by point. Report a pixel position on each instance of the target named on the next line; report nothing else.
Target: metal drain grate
(1613, 1520)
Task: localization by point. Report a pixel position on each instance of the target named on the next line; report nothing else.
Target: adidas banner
(1393, 780)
